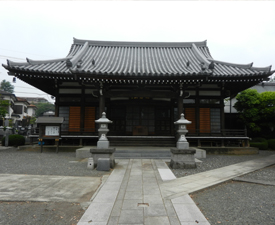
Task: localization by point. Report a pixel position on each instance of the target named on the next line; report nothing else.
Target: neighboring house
(21, 109)
(49, 113)
(142, 86)
(31, 110)
(231, 114)
(35, 100)
(11, 98)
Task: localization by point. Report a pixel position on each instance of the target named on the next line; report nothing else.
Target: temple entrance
(141, 119)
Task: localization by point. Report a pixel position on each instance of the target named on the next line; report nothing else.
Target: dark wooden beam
(141, 93)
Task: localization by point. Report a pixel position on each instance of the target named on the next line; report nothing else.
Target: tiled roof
(5, 92)
(19, 99)
(50, 120)
(138, 59)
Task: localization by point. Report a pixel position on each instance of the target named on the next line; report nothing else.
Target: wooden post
(180, 106)
(101, 105)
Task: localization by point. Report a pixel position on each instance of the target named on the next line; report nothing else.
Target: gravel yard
(231, 203)
(235, 203)
(217, 161)
(13, 161)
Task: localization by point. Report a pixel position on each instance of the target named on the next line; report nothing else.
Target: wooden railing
(219, 133)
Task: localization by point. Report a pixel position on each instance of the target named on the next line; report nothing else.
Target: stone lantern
(103, 155)
(103, 122)
(182, 142)
(182, 155)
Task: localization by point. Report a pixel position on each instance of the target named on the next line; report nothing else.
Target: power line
(24, 87)
(29, 93)
(5, 57)
(23, 52)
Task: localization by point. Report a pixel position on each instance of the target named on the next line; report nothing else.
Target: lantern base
(183, 158)
(103, 153)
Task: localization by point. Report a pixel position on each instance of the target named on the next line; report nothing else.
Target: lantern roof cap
(103, 119)
(182, 120)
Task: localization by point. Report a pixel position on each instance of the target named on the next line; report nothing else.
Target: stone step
(131, 152)
(142, 141)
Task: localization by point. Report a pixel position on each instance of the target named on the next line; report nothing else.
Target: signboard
(52, 131)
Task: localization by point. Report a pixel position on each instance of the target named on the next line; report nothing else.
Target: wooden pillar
(197, 111)
(180, 106)
(57, 101)
(222, 113)
(101, 105)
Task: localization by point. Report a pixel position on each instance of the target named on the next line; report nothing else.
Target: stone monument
(103, 150)
(182, 156)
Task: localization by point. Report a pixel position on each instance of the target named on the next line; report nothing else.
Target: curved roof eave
(243, 66)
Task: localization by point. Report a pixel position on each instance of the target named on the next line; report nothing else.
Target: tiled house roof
(139, 59)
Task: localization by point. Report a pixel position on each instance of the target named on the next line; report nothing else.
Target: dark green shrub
(261, 145)
(258, 139)
(271, 144)
(14, 140)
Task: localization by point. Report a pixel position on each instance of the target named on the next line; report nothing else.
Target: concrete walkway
(145, 191)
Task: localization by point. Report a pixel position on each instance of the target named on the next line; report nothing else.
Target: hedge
(258, 139)
(14, 140)
(260, 145)
(271, 144)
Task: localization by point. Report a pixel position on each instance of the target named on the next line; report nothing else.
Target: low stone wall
(231, 150)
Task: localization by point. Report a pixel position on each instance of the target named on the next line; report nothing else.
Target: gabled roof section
(50, 120)
(5, 93)
(23, 100)
(109, 59)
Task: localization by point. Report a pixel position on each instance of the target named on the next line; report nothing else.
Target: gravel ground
(40, 213)
(231, 203)
(235, 203)
(217, 161)
(13, 161)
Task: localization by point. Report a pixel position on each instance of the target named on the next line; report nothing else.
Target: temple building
(142, 86)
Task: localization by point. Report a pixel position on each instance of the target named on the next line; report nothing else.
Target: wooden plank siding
(190, 115)
(74, 119)
(89, 119)
(205, 123)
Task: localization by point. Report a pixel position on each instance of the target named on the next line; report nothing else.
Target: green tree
(32, 120)
(44, 107)
(7, 86)
(257, 111)
(4, 104)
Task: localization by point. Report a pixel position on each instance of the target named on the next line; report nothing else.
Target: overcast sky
(237, 32)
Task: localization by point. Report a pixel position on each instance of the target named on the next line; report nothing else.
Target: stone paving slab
(138, 199)
(18, 187)
(185, 185)
(145, 191)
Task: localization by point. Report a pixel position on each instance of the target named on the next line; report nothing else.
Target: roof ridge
(243, 66)
(37, 62)
(12, 63)
(140, 44)
(266, 68)
(199, 55)
(74, 60)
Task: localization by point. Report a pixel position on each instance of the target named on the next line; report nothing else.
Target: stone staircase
(155, 141)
